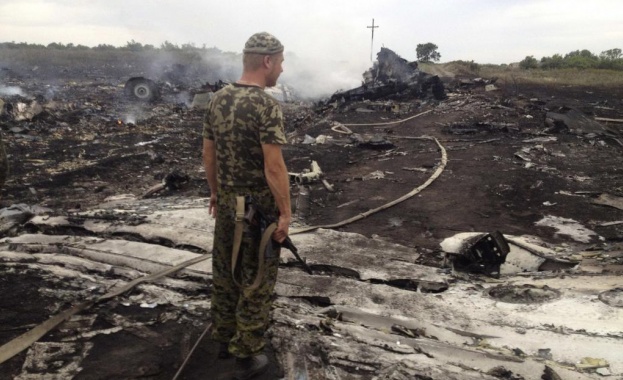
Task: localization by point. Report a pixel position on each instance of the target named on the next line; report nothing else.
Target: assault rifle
(254, 215)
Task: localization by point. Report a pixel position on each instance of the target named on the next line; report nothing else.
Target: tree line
(129, 46)
(579, 59)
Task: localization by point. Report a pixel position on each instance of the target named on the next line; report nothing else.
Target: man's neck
(252, 80)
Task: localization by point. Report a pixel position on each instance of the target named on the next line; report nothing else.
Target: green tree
(56, 45)
(581, 53)
(556, 61)
(133, 46)
(427, 52)
(169, 46)
(578, 59)
(529, 63)
(611, 59)
(581, 59)
(104, 47)
(611, 54)
(581, 62)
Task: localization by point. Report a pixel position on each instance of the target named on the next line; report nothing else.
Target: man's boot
(247, 368)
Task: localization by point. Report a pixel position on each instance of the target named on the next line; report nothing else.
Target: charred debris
(393, 77)
(62, 136)
(390, 78)
(115, 175)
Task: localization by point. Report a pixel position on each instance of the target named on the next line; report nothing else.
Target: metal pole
(372, 42)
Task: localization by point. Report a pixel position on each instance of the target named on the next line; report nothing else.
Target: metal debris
(609, 200)
(392, 77)
(482, 253)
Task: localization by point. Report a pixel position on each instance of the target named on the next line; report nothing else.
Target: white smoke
(314, 79)
(222, 66)
(11, 91)
(309, 79)
(183, 98)
(129, 119)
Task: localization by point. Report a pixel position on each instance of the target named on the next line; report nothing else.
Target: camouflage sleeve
(208, 133)
(271, 124)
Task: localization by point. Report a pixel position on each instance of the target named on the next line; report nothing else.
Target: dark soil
(85, 149)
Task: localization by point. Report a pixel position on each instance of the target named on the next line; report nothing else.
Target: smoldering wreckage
(457, 228)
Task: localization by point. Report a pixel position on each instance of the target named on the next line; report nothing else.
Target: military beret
(263, 43)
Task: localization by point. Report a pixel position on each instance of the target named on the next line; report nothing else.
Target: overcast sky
(486, 31)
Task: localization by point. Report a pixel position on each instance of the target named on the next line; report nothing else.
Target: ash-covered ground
(522, 159)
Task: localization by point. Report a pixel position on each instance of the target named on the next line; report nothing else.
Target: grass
(69, 57)
(70, 63)
(131, 63)
(573, 77)
(510, 74)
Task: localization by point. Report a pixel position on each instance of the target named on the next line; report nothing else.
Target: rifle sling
(266, 239)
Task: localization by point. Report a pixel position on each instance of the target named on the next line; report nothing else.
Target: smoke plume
(11, 91)
(310, 79)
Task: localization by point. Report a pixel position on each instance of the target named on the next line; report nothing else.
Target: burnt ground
(507, 169)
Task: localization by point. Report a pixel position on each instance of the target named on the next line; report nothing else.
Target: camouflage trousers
(4, 164)
(238, 318)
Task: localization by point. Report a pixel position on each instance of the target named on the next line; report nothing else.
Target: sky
(332, 35)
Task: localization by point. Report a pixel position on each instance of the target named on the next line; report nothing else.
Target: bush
(529, 63)
(554, 62)
(581, 62)
(583, 59)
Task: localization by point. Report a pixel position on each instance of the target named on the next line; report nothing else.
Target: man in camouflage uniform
(4, 164)
(243, 133)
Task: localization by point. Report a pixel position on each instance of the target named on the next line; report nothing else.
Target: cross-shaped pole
(372, 43)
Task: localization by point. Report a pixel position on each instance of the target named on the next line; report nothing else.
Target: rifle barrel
(287, 243)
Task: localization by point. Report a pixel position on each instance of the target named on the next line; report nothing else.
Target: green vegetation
(580, 67)
(131, 54)
(529, 63)
(579, 59)
(577, 68)
(129, 46)
(427, 52)
(569, 76)
(66, 61)
(513, 74)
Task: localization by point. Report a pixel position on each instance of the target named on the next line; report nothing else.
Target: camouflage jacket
(240, 119)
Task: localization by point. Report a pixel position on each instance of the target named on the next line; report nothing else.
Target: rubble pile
(392, 77)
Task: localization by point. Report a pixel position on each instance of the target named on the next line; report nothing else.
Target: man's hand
(209, 164)
(283, 225)
(212, 205)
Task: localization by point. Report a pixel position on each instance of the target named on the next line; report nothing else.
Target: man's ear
(267, 61)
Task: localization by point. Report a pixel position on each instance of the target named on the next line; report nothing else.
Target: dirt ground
(81, 151)
(506, 171)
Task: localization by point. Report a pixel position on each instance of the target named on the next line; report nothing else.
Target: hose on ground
(436, 174)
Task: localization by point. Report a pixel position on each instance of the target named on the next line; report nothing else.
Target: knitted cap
(263, 43)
